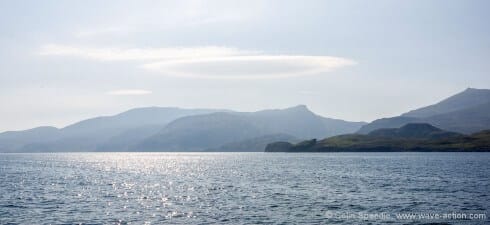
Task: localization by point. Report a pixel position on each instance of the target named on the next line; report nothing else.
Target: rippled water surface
(241, 188)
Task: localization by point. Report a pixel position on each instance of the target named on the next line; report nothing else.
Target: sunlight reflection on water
(235, 187)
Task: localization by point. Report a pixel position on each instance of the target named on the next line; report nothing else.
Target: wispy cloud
(140, 54)
(208, 62)
(129, 92)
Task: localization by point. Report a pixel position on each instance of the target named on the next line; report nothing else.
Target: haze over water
(241, 188)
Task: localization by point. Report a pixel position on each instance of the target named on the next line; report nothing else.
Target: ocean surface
(245, 188)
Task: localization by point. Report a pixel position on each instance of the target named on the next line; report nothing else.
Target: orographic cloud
(209, 61)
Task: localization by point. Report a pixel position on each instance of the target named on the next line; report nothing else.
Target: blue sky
(63, 61)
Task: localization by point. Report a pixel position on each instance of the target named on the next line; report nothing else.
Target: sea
(245, 188)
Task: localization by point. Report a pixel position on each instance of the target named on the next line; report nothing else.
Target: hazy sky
(63, 61)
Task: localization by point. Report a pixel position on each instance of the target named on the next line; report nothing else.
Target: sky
(64, 61)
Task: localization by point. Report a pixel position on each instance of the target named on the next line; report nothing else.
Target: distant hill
(124, 141)
(467, 121)
(393, 122)
(468, 98)
(211, 131)
(11, 141)
(88, 135)
(411, 137)
(300, 122)
(175, 129)
(466, 112)
(196, 133)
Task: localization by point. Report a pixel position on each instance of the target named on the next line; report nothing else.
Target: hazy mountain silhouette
(467, 121)
(88, 134)
(13, 140)
(196, 133)
(201, 132)
(468, 98)
(466, 112)
(126, 139)
(173, 129)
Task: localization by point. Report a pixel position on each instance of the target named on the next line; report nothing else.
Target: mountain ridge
(465, 112)
(87, 134)
(467, 98)
(124, 131)
(201, 132)
(180, 129)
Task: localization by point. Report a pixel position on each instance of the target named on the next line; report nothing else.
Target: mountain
(138, 117)
(13, 140)
(175, 129)
(211, 131)
(467, 121)
(256, 144)
(123, 141)
(88, 135)
(393, 122)
(336, 126)
(468, 98)
(196, 133)
(300, 122)
(466, 112)
(411, 137)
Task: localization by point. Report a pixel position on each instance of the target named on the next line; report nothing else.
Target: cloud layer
(140, 54)
(208, 61)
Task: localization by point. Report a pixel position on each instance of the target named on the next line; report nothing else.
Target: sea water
(245, 188)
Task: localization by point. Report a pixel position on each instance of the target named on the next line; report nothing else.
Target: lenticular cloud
(208, 61)
(250, 67)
